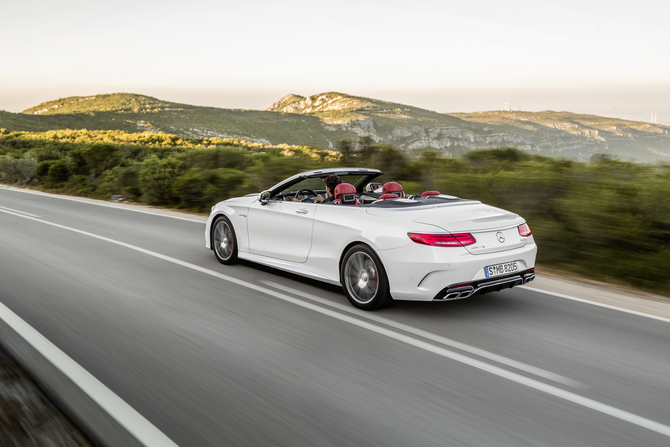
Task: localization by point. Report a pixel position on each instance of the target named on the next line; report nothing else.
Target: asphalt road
(246, 355)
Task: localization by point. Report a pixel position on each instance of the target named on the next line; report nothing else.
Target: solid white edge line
(127, 416)
(434, 337)
(107, 205)
(595, 303)
(495, 370)
(18, 211)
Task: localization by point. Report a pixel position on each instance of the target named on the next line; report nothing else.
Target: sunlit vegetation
(607, 219)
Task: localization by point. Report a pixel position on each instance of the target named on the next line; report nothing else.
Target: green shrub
(156, 179)
(19, 171)
(199, 189)
(219, 157)
(59, 172)
(42, 169)
(95, 159)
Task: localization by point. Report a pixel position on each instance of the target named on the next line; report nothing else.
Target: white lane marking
(126, 415)
(595, 303)
(74, 199)
(429, 335)
(478, 364)
(18, 211)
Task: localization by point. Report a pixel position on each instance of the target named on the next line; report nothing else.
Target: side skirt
(286, 266)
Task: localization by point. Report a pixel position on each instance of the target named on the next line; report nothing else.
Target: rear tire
(224, 241)
(364, 279)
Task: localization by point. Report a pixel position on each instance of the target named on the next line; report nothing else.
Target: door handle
(302, 211)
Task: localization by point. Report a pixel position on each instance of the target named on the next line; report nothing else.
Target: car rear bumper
(466, 290)
(422, 273)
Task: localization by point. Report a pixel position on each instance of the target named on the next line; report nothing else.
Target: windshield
(317, 184)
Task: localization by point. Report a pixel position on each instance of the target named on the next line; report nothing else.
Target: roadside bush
(95, 159)
(219, 157)
(129, 181)
(80, 185)
(156, 180)
(48, 153)
(272, 167)
(199, 189)
(42, 169)
(59, 172)
(390, 160)
(509, 154)
(20, 171)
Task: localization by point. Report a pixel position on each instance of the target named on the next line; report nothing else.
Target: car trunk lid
(494, 229)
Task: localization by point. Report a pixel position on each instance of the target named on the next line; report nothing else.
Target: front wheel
(224, 241)
(364, 278)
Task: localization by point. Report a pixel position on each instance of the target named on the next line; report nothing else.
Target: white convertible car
(377, 243)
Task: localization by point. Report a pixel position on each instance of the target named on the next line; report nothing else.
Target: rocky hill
(323, 120)
(558, 134)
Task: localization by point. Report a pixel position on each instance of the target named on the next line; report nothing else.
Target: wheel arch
(376, 252)
(223, 211)
(346, 249)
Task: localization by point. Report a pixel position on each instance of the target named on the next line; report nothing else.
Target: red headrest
(393, 188)
(388, 196)
(344, 188)
(430, 193)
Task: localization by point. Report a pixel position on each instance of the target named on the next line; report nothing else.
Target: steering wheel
(300, 193)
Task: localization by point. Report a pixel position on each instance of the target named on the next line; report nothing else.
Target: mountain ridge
(324, 119)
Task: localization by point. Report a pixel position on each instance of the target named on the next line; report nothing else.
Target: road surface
(246, 356)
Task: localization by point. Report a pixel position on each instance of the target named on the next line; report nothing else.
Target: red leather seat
(345, 194)
(393, 188)
(430, 193)
(388, 196)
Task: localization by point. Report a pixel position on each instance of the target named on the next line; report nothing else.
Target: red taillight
(524, 230)
(443, 240)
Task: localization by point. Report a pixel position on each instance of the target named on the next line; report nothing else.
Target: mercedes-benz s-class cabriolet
(379, 243)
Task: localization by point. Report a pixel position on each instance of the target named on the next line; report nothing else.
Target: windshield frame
(367, 175)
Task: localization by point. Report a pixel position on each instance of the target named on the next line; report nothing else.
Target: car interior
(350, 192)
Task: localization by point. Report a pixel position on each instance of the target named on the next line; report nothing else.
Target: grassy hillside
(41, 123)
(323, 120)
(116, 102)
(131, 112)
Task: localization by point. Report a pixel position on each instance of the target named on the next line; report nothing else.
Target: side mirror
(264, 197)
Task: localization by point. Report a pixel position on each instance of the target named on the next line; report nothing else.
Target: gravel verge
(28, 418)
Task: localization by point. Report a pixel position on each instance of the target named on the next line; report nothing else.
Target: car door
(281, 230)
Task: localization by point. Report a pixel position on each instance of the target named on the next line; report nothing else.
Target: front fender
(219, 210)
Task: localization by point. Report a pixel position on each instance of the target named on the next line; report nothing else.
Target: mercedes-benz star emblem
(500, 236)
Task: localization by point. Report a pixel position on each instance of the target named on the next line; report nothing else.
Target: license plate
(501, 269)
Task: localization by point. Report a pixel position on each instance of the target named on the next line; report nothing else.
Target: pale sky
(583, 56)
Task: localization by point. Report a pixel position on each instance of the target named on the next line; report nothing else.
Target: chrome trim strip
(499, 282)
(495, 229)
